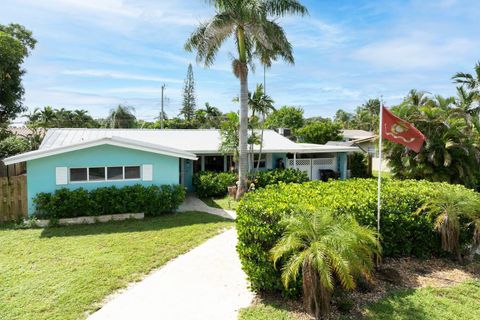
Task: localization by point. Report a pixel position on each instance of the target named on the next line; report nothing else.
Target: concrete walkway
(206, 283)
(192, 203)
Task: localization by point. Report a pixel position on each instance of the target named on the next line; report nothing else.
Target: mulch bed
(391, 275)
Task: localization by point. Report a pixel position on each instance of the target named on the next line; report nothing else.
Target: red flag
(400, 131)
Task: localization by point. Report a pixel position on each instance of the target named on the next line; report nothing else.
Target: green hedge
(213, 184)
(262, 179)
(404, 233)
(67, 203)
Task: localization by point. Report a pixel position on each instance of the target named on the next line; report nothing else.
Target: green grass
(65, 272)
(459, 302)
(226, 202)
(385, 174)
(265, 312)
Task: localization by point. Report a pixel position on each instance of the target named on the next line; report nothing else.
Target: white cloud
(119, 75)
(414, 52)
(311, 33)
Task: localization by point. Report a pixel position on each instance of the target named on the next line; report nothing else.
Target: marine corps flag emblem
(400, 131)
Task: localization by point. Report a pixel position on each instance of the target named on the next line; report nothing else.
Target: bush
(358, 165)
(213, 184)
(66, 203)
(404, 232)
(264, 178)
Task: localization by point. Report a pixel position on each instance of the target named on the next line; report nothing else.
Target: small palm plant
(328, 251)
(448, 209)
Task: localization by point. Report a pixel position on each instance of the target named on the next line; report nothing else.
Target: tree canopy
(286, 117)
(320, 132)
(16, 43)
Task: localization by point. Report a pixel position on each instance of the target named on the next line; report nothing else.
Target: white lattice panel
(313, 166)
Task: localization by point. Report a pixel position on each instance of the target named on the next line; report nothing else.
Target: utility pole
(161, 112)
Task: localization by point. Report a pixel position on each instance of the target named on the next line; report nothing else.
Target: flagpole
(380, 132)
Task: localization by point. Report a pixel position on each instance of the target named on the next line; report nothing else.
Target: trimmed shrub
(213, 184)
(404, 232)
(66, 203)
(262, 179)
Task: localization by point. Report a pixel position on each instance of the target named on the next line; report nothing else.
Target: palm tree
(213, 115)
(256, 34)
(472, 82)
(449, 208)
(47, 117)
(467, 107)
(122, 117)
(450, 152)
(260, 104)
(325, 249)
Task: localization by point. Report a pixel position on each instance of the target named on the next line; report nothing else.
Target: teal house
(92, 158)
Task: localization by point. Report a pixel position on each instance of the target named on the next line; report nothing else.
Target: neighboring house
(92, 158)
(367, 142)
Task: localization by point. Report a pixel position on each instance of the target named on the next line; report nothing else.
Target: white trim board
(114, 141)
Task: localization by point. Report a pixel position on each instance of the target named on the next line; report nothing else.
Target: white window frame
(105, 179)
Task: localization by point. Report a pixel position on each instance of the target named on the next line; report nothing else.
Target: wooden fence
(13, 198)
(15, 169)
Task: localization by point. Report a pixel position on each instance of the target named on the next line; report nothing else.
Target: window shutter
(61, 175)
(147, 172)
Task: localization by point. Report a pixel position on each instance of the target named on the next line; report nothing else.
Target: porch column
(295, 161)
(202, 162)
(225, 168)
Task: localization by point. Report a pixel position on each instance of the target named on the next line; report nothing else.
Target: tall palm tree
(256, 34)
(323, 248)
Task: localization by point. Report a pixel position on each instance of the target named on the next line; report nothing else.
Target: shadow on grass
(148, 224)
(211, 203)
(397, 305)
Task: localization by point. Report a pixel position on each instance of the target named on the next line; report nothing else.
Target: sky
(96, 54)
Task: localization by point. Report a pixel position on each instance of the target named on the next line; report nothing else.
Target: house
(92, 158)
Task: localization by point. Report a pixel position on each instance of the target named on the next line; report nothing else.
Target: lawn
(66, 272)
(456, 302)
(227, 203)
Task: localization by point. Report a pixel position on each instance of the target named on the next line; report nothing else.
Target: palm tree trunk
(243, 141)
(316, 297)
(261, 144)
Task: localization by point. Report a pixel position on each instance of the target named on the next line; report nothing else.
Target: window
(115, 173)
(262, 161)
(96, 174)
(78, 174)
(214, 163)
(132, 172)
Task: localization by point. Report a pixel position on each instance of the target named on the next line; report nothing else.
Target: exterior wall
(41, 172)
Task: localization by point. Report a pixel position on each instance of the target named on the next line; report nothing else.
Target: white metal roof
(356, 134)
(114, 140)
(184, 143)
(198, 141)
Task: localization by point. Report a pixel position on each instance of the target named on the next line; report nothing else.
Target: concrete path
(206, 283)
(192, 203)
